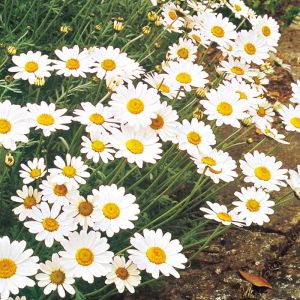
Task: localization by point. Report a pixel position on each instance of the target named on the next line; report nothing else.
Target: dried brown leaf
(255, 279)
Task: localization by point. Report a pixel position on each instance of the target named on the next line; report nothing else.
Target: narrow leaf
(255, 279)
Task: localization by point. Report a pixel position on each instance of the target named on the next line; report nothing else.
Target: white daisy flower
(135, 106)
(31, 66)
(184, 49)
(263, 171)
(185, 74)
(198, 38)
(16, 266)
(259, 80)
(72, 62)
(98, 147)
(261, 114)
(155, 252)
(28, 197)
(294, 180)
(123, 274)
(195, 137)
(272, 133)
(14, 124)
(172, 17)
(55, 277)
(48, 225)
(239, 8)
(95, 117)
(85, 255)
(254, 206)
(117, 209)
(296, 92)
(47, 118)
(225, 106)
(290, 117)
(71, 172)
(218, 165)
(220, 213)
(17, 298)
(33, 170)
(136, 146)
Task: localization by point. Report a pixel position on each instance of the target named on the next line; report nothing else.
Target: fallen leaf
(255, 280)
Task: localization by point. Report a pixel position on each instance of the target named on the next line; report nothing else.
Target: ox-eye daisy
(16, 266)
(117, 209)
(296, 92)
(85, 255)
(28, 197)
(239, 8)
(155, 252)
(184, 49)
(172, 17)
(198, 38)
(272, 133)
(47, 118)
(263, 171)
(262, 113)
(254, 205)
(290, 117)
(124, 274)
(55, 277)
(294, 180)
(33, 170)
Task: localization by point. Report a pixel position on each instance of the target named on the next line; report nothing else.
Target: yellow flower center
(111, 210)
(250, 48)
(163, 88)
(135, 106)
(173, 15)
(85, 208)
(295, 122)
(237, 70)
(237, 7)
(266, 31)
(157, 123)
(262, 173)
(8, 268)
(183, 53)
(194, 138)
(261, 112)
(122, 273)
(57, 277)
(60, 190)
(98, 146)
(184, 78)
(196, 37)
(31, 66)
(224, 217)
(69, 171)
(29, 202)
(35, 173)
(135, 146)
(84, 256)
(108, 65)
(5, 126)
(156, 255)
(243, 95)
(73, 64)
(252, 205)
(45, 119)
(224, 109)
(217, 31)
(208, 161)
(97, 119)
(50, 224)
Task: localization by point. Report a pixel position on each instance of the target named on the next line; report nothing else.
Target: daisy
(195, 137)
(225, 106)
(135, 106)
(33, 170)
(254, 206)
(221, 214)
(70, 172)
(155, 252)
(28, 197)
(98, 147)
(48, 224)
(272, 133)
(172, 17)
(55, 277)
(294, 180)
(117, 209)
(239, 8)
(85, 255)
(16, 266)
(17, 298)
(198, 38)
(185, 74)
(184, 49)
(14, 124)
(47, 118)
(136, 146)
(72, 62)
(218, 165)
(262, 113)
(31, 66)
(263, 171)
(296, 92)
(123, 274)
(290, 117)
(95, 117)
(258, 80)
(251, 48)
(57, 194)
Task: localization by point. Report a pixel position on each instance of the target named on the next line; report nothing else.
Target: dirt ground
(271, 251)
